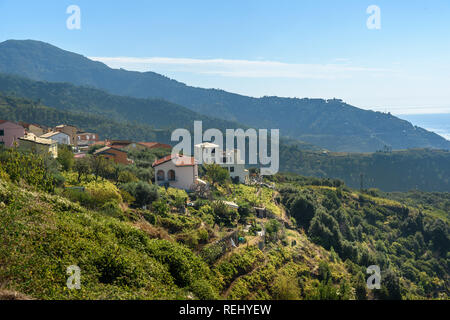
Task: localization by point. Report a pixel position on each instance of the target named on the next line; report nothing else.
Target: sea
(438, 122)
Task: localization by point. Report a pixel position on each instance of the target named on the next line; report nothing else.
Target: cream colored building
(176, 171)
(228, 159)
(39, 145)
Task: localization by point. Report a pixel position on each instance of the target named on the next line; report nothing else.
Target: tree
(223, 214)
(324, 230)
(390, 287)
(360, 287)
(245, 211)
(437, 231)
(99, 166)
(82, 167)
(126, 176)
(160, 207)
(143, 192)
(272, 228)
(302, 210)
(65, 158)
(217, 174)
(324, 271)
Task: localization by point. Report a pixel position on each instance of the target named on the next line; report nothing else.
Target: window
(231, 169)
(224, 159)
(160, 175)
(2, 132)
(171, 175)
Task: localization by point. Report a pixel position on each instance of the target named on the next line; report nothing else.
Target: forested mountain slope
(331, 124)
(66, 96)
(421, 169)
(19, 109)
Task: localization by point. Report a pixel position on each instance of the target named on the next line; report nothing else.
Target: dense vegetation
(135, 240)
(421, 169)
(18, 109)
(365, 229)
(331, 124)
(65, 96)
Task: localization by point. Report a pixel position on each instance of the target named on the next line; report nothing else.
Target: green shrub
(103, 192)
(203, 290)
(83, 198)
(126, 176)
(32, 168)
(112, 209)
(160, 207)
(65, 157)
(223, 214)
(285, 288)
(143, 192)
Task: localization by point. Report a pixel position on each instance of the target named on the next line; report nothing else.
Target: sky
(298, 48)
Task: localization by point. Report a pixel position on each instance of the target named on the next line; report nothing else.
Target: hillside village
(180, 172)
(164, 226)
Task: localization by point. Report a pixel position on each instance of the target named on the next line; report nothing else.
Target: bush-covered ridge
(414, 169)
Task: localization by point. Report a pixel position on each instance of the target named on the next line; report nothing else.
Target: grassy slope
(42, 235)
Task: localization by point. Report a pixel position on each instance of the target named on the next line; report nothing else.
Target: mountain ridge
(330, 124)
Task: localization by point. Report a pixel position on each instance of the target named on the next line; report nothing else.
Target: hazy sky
(320, 48)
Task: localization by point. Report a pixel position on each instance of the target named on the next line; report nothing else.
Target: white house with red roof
(177, 171)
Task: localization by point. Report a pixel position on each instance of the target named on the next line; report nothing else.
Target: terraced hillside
(318, 238)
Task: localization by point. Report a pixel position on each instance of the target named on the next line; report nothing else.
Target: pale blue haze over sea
(438, 123)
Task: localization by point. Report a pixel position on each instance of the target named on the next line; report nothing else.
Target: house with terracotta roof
(119, 144)
(177, 171)
(10, 132)
(115, 154)
(146, 145)
(39, 145)
(35, 129)
(154, 145)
